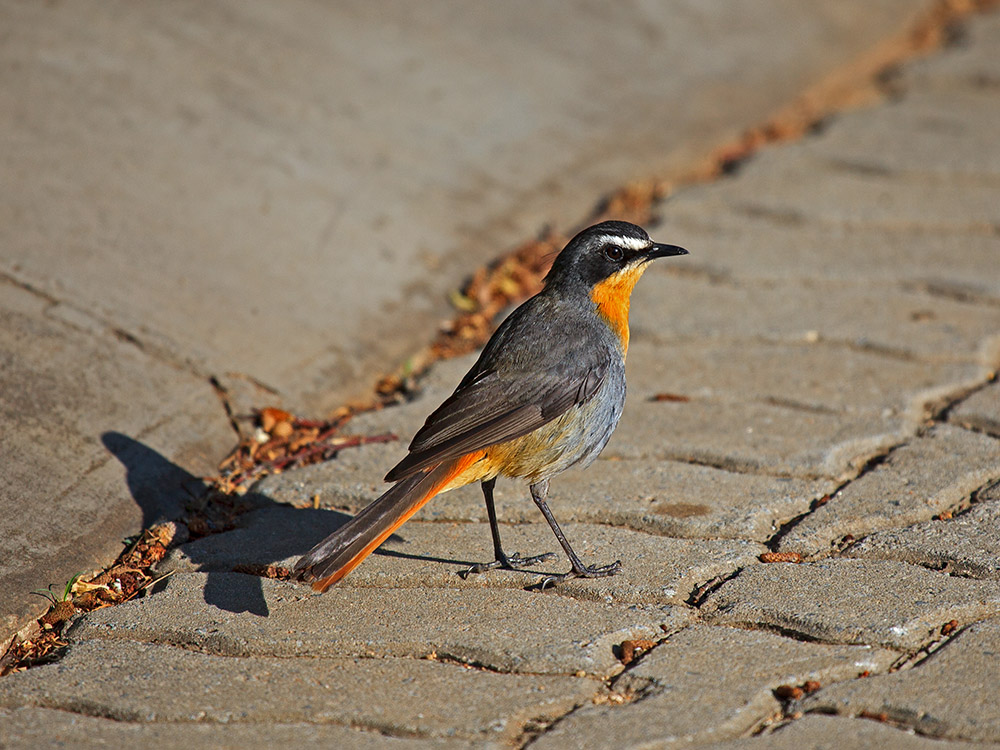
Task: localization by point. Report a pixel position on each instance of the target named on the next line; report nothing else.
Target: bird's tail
(348, 546)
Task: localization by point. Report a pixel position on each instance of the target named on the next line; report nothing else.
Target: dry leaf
(781, 557)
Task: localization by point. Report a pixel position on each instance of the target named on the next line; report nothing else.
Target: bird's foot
(600, 571)
(507, 562)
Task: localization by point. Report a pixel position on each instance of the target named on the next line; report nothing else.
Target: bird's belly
(576, 437)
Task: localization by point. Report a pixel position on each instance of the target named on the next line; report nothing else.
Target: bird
(545, 394)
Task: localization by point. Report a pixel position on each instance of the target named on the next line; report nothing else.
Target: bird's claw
(601, 571)
(507, 562)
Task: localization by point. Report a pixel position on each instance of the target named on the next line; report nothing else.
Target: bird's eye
(613, 252)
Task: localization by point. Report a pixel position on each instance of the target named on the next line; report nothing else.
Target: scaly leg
(539, 492)
(501, 560)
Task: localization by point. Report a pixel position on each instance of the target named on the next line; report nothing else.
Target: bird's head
(603, 263)
(612, 252)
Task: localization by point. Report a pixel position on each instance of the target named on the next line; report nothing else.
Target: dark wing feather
(491, 409)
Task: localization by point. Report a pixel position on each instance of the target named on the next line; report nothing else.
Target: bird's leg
(501, 560)
(539, 492)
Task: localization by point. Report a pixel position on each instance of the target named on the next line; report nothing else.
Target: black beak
(663, 251)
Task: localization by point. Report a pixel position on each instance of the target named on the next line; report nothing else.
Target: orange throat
(612, 298)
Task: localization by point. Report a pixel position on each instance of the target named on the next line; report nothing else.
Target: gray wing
(492, 406)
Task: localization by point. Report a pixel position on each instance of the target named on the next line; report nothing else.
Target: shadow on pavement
(160, 488)
(261, 531)
(265, 532)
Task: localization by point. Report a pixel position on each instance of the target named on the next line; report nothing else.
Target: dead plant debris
(788, 692)
(41, 640)
(795, 692)
(949, 627)
(613, 698)
(631, 650)
(780, 557)
(671, 397)
(882, 716)
(277, 572)
(281, 441)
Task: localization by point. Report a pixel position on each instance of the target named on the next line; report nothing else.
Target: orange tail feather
(348, 546)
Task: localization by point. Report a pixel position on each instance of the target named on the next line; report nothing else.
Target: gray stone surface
(835, 312)
(950, 694)
(505, 631)
(682, 698)
(970, 64)
(968, 545)
(786, 440)
(842, 399)
(942, 144)
(826, 379)
(311, 162)
(860, 196)
(136, 682)
(981, 411)
(876, 602)
(655, 569)
(816, 732)
(840, 305)
(737, 244)
(915, 483)
(99, 439)
(665, 497)
(30, 727)
(276, 201)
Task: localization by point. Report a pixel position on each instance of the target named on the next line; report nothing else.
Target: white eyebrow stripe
(632, 243)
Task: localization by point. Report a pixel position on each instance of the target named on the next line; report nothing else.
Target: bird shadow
(255, 530)
(260, 531)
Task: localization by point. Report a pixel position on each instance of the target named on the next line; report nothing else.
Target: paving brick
(669, 498)
(981, 411)
(925, 135)
(813, 377)
(799, 185)
(916, 482)
(29, 727)
(146, 683)
(874, 316)
(682, 697)
(816, 732)
(737, 243)
(876, 602)
(655, 569)
(658, 496)
(950, 694)
(970, 63)
(756, 437)
(507, 631)
(968, 545)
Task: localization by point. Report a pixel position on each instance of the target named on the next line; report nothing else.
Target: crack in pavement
(223, 393)
(102, 326)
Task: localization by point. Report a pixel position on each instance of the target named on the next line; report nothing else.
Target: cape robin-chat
(545, 394)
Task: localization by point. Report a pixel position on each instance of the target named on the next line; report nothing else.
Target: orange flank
(463, 471)
(612, 299)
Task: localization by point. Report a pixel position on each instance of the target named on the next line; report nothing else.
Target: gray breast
(601, 415)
